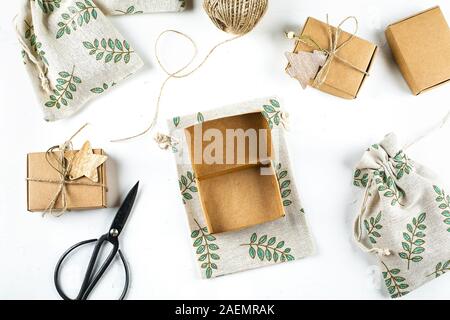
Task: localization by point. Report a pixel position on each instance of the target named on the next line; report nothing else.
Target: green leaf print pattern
(444, 203)
(24, 56)
(64, 89)
(130, 10)
(77, 16)
(268, 249)
(395, 283)
(388, 188)
(360, 180)
(402, 164)
(205, 249)
(103, 88)
(272, 113)
(373, 227)
(441, 268)
(176, 121)
(36, 46)
(200, 117)
(187, 185)
(284, 184)
(413, 244)
(48, 6)
(109, 50)
(374, 146)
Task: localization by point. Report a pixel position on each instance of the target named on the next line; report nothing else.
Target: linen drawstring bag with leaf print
(241, 215)
(73, 53)
(404, 217)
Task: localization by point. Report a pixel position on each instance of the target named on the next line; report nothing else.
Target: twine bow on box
(64, 166)
(305, 66)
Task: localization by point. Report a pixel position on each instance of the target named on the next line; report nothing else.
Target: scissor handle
(91, 280)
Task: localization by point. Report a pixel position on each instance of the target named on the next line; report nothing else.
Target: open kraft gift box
(250, 198)
(238, 190)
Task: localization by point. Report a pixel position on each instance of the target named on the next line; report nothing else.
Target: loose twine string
(163, 140)
(331, 53)
(63, 168)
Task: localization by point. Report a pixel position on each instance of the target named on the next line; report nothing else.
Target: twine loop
(178, 74)
(63, 167)
(237, 17)
(334, 47)
(164, 141)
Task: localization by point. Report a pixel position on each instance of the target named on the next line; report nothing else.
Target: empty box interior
(236, 181)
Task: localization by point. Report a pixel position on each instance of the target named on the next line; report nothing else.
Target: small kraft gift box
(420, 45)
(238, 188)
(63, 179)
(342, 60)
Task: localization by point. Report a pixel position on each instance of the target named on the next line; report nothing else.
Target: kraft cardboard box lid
(282, 240)
(421, 47)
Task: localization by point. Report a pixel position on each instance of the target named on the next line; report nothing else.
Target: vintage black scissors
(91, 278)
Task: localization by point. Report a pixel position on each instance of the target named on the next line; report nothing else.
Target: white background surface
(328, 135)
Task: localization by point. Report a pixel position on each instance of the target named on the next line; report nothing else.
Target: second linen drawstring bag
(73, 53)
(404, 218)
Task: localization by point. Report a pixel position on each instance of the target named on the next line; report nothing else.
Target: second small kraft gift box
(421, 46)
(245, 212)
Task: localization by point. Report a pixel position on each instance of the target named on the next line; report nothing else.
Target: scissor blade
(125, 209)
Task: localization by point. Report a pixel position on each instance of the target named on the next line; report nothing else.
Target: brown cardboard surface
(420, 45)
(240, 199)
(39, 194)
(342, 80)
(236, 196)
(245, 121)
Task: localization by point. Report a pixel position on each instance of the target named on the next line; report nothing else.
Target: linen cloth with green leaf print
(282, 240)
(404, 218)
(73, 53)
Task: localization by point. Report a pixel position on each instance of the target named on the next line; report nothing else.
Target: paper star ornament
(304, 66)
(84, 163)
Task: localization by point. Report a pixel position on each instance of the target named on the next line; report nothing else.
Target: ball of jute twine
(235, 16)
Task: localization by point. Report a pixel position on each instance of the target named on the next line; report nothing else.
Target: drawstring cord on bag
(357, 230)
(440, 125)
(40, 66)
(164, 141)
